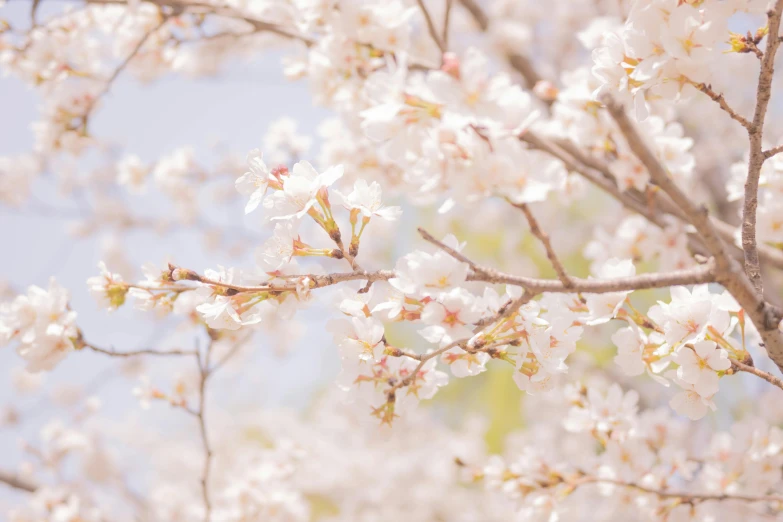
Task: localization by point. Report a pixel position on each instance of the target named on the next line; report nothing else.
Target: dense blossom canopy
(579, 198)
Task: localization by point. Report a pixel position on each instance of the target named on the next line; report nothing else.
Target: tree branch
(133, 353)
(697, 216)
(110, 81)
(727, 270)
(221, 10)
(16, 482)
(697, 275)
(757, 156)
(773, 152)
(518, 62)
(688, 498)
(721, 101)
(742, 367)
(200, 415)
(431, 27)
(598, 174)
(535, 229)
(447, 22)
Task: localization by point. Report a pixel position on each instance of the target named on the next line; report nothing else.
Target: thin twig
(447, 23)
(535, 229)
(696, 275)
(107, 86)
(16, 482)
(691, 276)
(200, 415)
(773, 152)
(133, 353)
(223, 11)
(431, 27)
(519, 62)
(450, 251)
(689, 498)
(721, 101)
(775, 381)
(757, 156)
(589, 167)
(315, 281)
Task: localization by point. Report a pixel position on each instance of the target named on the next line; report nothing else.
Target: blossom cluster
(665, 48)
(581, 123)
(624, 461)
(42, 326)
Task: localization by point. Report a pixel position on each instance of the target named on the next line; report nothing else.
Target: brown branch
(697, 216)
(524, 66)
(180, 6)
(535, 229)
(519, 62)
(133, 353)
(757, 156)
(431, 27)
(697, 275)
(200, 415)
(727, 269)
(532, 286)
(598, 173)
(721, 101)
(478, 14)
(118, 70)
(15, 481)
(316, 281)
(773, 152)
(692, 276)
(447, 23)
(688, 498)
(450, 251)
(742, 367)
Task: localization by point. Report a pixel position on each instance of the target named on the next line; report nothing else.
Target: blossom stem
(111, 352)
(205, 372)
(690, 498)
(16, 482)
(519, 62)
(431, 27)
(721, 101)
(554, 260)
(773, 152)
(697, 275)
(117, 71)
(775, 381)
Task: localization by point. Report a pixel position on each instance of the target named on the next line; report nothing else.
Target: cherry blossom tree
(577, 198)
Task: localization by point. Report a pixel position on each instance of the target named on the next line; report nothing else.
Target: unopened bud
(182, 274)
(280, 171)
(546, 91)
(450, 65)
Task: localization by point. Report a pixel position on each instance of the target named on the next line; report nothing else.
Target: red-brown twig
(431, 27)
(554, 260)
(742, 367)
